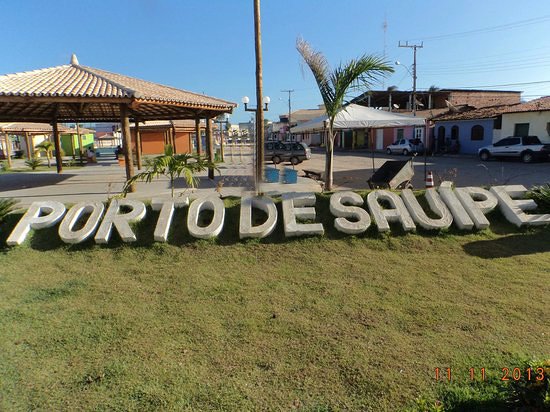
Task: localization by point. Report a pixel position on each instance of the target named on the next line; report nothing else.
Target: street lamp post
(221, 119)
(413, 75)
(259, 136)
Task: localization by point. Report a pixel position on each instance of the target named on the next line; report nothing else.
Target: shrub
(532, 393)
(34, 162)
(541, 195)
(7, 205)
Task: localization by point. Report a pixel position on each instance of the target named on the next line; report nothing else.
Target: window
(477, 132)
(419, 133)
(454, 132)
(521, 129)
(508, 141)
(400, 133)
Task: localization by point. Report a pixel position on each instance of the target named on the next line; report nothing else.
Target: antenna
(385, 28)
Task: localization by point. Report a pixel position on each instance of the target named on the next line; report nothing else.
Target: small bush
(541, 195)
(532, 393)
(33, 163)
(6, 206)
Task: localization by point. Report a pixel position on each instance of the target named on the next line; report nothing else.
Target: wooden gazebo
(75, 93)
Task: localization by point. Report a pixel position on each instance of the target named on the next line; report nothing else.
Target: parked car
(279, 152)
(406, 147)
(526, 148)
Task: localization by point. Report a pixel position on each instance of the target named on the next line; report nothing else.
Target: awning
(355, 116)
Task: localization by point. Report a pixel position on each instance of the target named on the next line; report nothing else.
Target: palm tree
(173, 166)
(47, 147)
(391, 89)
(335, 84)
(433, 88)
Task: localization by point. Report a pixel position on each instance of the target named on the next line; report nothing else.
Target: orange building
(156, 134)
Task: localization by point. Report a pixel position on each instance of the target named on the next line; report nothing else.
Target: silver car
(526, 148)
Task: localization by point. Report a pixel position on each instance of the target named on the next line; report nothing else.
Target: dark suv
(527, 148)
(291, 152)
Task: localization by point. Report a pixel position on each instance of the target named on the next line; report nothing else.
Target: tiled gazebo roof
(74, 92)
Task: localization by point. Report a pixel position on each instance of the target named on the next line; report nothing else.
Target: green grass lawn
(314, 324)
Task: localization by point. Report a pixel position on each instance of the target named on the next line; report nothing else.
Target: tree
(335, 84)
(391, 89)
(173, 166)
(47, 147)
(433, 88)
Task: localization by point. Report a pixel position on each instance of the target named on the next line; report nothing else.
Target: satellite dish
(395, 106)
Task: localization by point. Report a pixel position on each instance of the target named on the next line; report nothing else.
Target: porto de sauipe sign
(466, 207)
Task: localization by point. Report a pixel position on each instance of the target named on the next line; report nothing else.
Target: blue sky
(207, 46)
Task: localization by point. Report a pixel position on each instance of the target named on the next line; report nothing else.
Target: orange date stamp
(480, 374)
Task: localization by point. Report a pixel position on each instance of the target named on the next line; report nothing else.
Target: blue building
(469, 135)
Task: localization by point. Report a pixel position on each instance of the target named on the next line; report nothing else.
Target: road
(353, 169)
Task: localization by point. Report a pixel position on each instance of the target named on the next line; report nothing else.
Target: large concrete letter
(477, 202)
(166, 208)
(245, 223)
(397, 213)
(35, 219)
(513, 209)
(66, 232)
(293, 208)
(342, 212)
(213, 203)
(121, 221)
(461, 218)
(436, 205)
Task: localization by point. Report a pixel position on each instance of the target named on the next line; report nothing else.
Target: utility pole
(414, 47)
(259, 98)
(289, 107)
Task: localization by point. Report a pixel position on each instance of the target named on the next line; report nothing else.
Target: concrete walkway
(105, 179)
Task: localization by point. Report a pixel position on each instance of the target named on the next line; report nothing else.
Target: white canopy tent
(354, 116)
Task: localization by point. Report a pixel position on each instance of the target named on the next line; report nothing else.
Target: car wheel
(294, 160)
(276, 160)
(485, 155)
(388, 151)
(405, 152)
(527, 157)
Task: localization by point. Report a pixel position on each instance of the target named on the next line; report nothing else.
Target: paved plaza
(105, 179)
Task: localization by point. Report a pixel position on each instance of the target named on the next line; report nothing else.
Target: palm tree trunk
(329, 160)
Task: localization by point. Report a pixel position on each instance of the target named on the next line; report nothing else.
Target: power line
(508, 26)
(502, 85)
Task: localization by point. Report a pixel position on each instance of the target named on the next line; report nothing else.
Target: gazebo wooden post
(79, 144)
(8, 148)
(127, 144)
(210, 147)
(198, 134)
(138, 145)
(28, 143)
(57, 144)
(173, 136)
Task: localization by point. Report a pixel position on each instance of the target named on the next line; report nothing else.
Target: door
(379, 139)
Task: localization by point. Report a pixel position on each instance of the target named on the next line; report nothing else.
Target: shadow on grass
(491, 405)
(509, 246)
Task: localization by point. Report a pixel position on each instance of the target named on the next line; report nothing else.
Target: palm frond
(320, 68)
(7, 205)
(357, 74)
